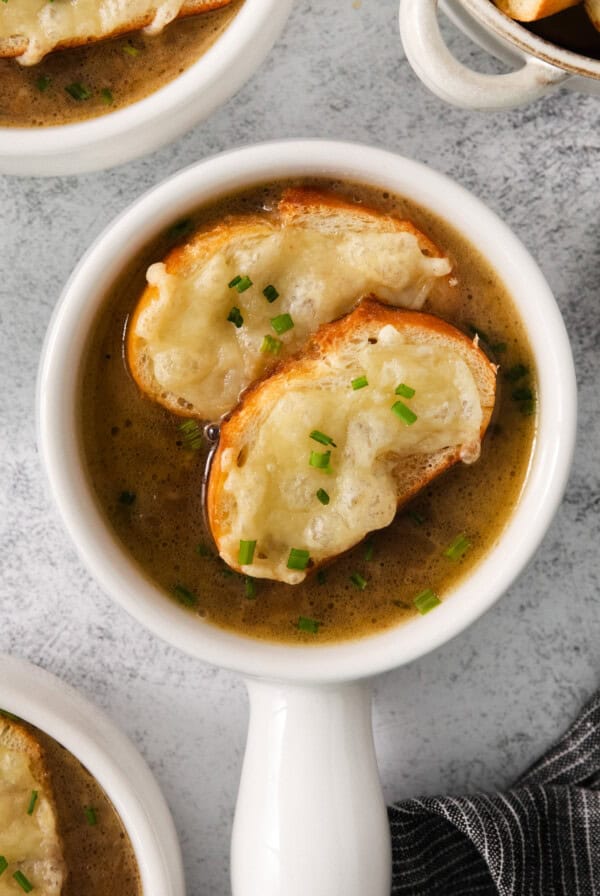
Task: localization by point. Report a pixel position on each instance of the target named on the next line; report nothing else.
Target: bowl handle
(310, 815)
(435, 65)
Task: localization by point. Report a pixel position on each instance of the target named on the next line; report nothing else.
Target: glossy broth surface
(148, 483)
(85, 82)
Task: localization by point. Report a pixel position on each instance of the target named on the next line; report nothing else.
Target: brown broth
(99, 857)
(114, 72)
(134, 447)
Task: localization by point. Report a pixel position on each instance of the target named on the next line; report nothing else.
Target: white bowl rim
(33, 694)
(502, 25)
(210, 72)
(549, 466)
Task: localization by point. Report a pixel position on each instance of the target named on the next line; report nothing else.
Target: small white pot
(52, 706)
(310, 814)
(157, 119)
(541, 66)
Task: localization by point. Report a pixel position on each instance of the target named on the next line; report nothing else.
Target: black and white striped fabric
(541, 838)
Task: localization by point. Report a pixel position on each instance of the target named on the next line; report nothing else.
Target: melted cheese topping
(197, 355)
(272, 499)
(46, 25)
(29, 843)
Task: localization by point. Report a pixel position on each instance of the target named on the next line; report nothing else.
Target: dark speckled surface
(481, 708)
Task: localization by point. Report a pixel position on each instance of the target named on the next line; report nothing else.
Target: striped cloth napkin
(541, 838)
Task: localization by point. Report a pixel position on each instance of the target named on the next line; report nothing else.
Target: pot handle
(435, 65)
(310, 815)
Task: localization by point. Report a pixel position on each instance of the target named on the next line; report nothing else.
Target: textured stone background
(476, 712)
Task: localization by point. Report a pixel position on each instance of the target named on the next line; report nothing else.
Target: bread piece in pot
(532, 10)
(327, 448)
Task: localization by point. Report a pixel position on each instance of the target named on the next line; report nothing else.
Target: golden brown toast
(326, 448)
(29, 29)
(532, 10)
(224, 308)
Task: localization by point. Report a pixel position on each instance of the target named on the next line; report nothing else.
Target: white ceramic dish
(158, 119)
(309, 796)
(541, 66)
(41, 699)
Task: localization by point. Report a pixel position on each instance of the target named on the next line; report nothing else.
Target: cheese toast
(328, 447)
(224, 308)
(30, 845)
(532, 10)
(29, 29)
(592, 7)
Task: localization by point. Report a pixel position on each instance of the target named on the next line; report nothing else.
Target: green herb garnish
(235, 317)
(358, 581)
(246, 552)
(499, 347)
(321, 577)
(78, 91)
(272, 345)
(185, 596)
(131, 50)
(305, 624)
(250, 587)
(127, 498)
(458, 548)
(369, 550)
(359, 383)
(203, 550)
(515, 373)
(90, 815)
(43, 83)
(527, 408)
(322, 438)
(404, 412)
(417, 518)
(323, 496)
(298, 559)
(179, 228)
(22, 881)
(282, 323)
(3, 864)
(107, 97)
(523, 393)
(270, 293)
(234, 282)
(425, 601)
(405, 391)
(32, 801)
(319, 459)
(191, 434)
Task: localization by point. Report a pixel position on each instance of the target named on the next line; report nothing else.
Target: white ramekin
(41, 699)
(542, 66)
(309, 796)
(158, 119)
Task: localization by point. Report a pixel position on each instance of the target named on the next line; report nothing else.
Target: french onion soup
(82, 82)
(59, 833)
(360, 347)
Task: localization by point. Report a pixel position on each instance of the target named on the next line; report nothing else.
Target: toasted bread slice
(31, 28)
(387, 399)
(532, 10)
(197, 338)
(29, 839)
(592, 7)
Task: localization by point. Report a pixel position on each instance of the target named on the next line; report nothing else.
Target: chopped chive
(78, 91)
(235, 317)
(107, 97)
(515, 372)
(321, 577)
(32, 801)
(203, 550)
(319, 459)
(305, 624)
(185, 596)
(458, 548)
(270, 293)
(22, 881)
(358, 581)
(527, 408)
(180, 228)
(191, 433)
(359, 383)
(246, 552)
(3, 864)
(43, 83)
(323, 496)
(369, 550)
(405, 391)
(250, 587)
(425, 601)
(131, 51)
(404, 412)
(90, 815)
(234, 282)
(417, 518)
(298, 559)
(282, 323)
(322, 438)
(127, 498)
(243, 284)
(272, 345)
(499, 347)
(523, 393)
